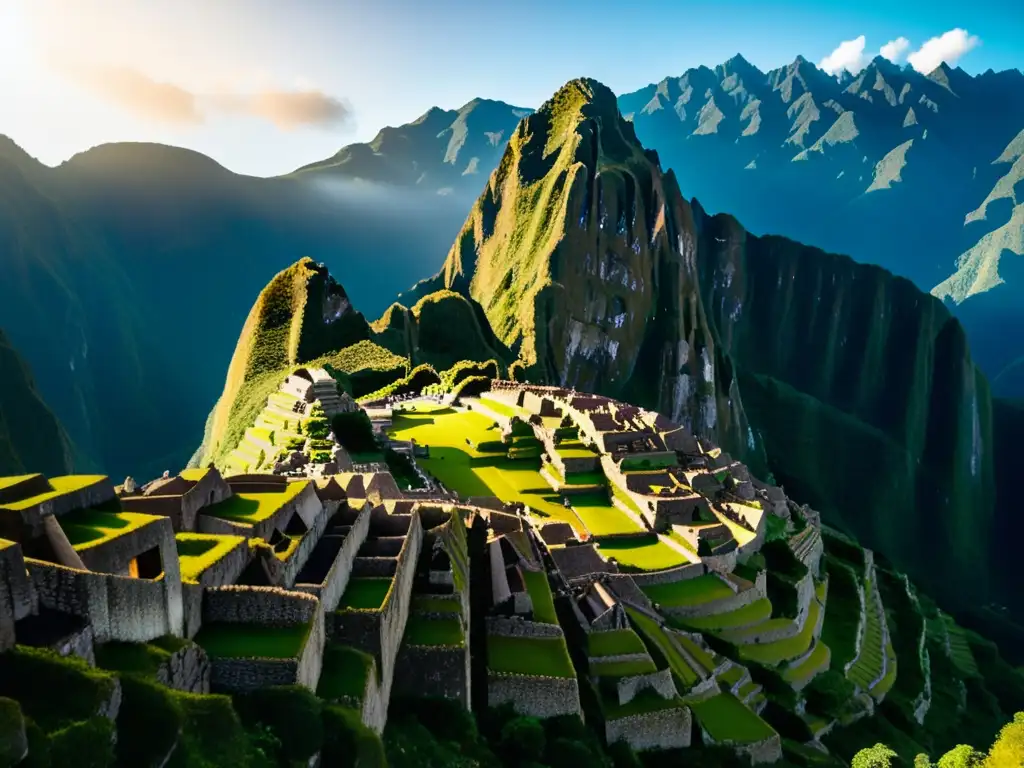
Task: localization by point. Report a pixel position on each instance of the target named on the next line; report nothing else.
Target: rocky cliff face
(582, 253)
(865, 394)
(857, 386)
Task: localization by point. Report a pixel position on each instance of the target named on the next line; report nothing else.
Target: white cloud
(894, 49)
(849, 56)
(948, 47)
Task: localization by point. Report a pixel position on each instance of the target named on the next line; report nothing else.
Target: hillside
(31, 438)
(444, 151)
(130, 267)
(589, 263)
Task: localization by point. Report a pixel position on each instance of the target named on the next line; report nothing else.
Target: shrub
(147, 723)
(293, 715)
(522, 738)
(517, 371)
(87, 744)
(419, 378)
(465, 369)
(472, 386)
(12, 726)
(829, 693)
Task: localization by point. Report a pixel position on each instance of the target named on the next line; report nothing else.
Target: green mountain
(442, 151)
(31, 438)
(129, 268)
(588, 262)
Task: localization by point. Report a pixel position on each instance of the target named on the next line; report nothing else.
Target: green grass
(88, 528)
(420, 630)
(344, 672)
(726, 718)
(787, 649)
(655, 462)
(544, 656)
(574, 449)
(699, 654)
(642, 554)
(600, 517)
(625, 499)
(500, 408)
(582, 478)
(540, 595)
(252, 641)
(775, 528)
(614, 642)
(432, 604)
(754, 613)
(623, 668)
(743, 635)
(7, 482)
(960, 648)
(656, 635)
(645, 702)
(883, 686)
(366, 593)
(698, 591)
(194, 475)
(61, 486)
(869, 664)
(198, 551)
(138, 658)
(731, 676)
(254, 507)
(816, 662)
(470, 472)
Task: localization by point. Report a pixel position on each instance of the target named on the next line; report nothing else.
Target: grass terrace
(198, 551)
(790, 648)
(252, 641)
(7, 482)
(574, 449)
(194, 475)
(645, 702)
(600, 517)
(502, 408)
(960, 648)
(656, 636)
(656, 461)
(749, 615)
(642, 554)
(700, 655)
(623, 668)
(614, 642)
(470, 472)
(61, 486)
(868, 665)
(726, 718)
(883, 686)
(817, 661)
(88, 527)
(539, 588)
(345, 671)
(544, 656)
(365, 593)
(254, 507)
(698, 591)
(421, 630)
(731, 676)
(434, 604)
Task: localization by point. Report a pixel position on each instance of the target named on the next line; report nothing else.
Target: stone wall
(226, 570)
(311, 659)
(14, 581)
(663, 729)
(188, 669)
(269, 606)
(117, 607)
(297, 560)
(535, 696)
(211, 524)
(78, 642)
(115, 554)
(516, 627)
(681, 573)
(660, 682)
(92, 495)
(333, 586)
(239, 675)
(441, 671)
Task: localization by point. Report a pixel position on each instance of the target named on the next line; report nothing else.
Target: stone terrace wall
(294, 564)
(535, 696)
(680, 573)
(228, 568)
(239, 675)
(515, 627)
(269, 606)
(14, 581)
(116, 553)
(90, 496)
(192, 609)
(433, 671)
(333, 587)
(210, 489)
(117, 607)
(731, 603)
(663, 729)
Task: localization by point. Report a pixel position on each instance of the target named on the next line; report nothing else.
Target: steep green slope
(588, 262)
(301, 315)
(31, 438)
(579, 252)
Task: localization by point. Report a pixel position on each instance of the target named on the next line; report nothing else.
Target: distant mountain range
(917, 173)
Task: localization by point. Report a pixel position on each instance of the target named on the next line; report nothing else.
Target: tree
(1008, 749)
(961, 756)
(523, 738)
(878, 756)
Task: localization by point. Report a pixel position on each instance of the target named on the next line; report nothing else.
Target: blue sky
(264, 86)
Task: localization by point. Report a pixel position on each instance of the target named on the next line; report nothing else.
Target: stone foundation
(535, 696)
(662, 729)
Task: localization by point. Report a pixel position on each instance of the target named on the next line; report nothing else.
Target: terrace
(642, 554)
(614, 642)
(429, 631)
(58, 487)
(199, 551)
(601, 518)
(543, 656)
(365, 593)
(252, 641)
(659, 643)
(87, 528)
(727, 719)
(251, 508)
(689, 592)
(344, 673)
